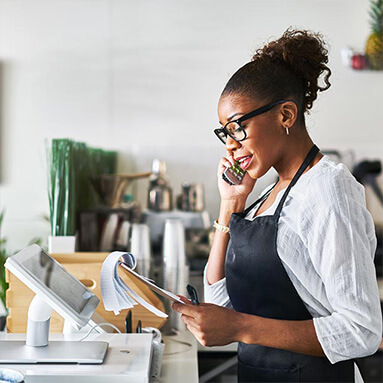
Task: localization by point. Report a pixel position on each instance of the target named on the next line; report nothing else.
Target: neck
(296, 148)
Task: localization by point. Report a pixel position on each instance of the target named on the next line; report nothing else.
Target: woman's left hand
(212, 325)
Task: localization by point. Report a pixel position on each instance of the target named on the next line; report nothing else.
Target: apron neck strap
(309, 158)
(264, 196)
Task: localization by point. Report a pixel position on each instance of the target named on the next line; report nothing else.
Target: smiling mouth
(244, 162)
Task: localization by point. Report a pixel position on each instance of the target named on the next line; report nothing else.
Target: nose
(232, 145)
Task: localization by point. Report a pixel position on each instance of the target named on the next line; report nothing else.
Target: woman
(291, 278)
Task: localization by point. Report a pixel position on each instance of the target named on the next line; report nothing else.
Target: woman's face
(263, 145)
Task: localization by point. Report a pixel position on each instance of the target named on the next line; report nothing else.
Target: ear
(288, 114)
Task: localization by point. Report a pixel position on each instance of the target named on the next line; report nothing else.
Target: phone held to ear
(234, 174)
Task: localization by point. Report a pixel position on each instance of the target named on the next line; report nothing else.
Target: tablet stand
(39, 317)
(37, 348)
(37, 269)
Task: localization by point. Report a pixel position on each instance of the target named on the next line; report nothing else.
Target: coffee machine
(190, 210)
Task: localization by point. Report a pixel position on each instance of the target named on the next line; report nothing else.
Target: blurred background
(144, 78)
(141, 80)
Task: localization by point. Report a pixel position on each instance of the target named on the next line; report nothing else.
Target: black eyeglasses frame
(246, 116)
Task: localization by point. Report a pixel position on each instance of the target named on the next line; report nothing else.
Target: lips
(244, 161)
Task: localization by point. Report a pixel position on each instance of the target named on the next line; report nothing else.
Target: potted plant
(71, 165)
(61, 196)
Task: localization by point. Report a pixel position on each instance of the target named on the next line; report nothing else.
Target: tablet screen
(57, 279)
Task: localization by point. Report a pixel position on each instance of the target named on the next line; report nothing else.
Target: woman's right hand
(233, 192)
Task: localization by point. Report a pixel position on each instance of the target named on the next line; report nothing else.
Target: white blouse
(326, 241)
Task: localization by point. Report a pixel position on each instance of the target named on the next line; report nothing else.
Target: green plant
(3, 257)
(71, 165)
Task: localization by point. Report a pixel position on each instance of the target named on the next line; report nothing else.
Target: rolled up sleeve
(342, 246)
(216, 293)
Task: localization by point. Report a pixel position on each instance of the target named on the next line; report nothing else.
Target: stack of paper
(116, 294)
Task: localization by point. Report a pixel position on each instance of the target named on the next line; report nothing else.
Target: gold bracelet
(220, 227)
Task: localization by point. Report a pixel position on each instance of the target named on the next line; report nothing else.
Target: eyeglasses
(235, 130)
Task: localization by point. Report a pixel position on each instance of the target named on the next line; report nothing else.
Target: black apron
(258, 284)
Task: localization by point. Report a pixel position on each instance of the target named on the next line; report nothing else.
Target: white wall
(144, 77)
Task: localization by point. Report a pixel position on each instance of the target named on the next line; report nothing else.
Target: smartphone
(234, 174)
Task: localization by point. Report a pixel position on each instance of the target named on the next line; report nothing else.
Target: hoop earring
(287, 130)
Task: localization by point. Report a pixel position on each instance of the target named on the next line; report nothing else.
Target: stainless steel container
(191, 198)
(160, 196)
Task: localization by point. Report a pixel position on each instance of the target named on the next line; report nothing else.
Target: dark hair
(289, 67)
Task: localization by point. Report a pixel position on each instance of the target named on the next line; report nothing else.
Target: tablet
(164, 293)
(61, 290)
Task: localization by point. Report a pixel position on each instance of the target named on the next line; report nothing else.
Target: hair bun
(305, 54)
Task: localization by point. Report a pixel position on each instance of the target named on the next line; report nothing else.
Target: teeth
(244, 158)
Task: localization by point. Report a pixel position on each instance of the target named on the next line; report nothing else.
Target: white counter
(180, 362)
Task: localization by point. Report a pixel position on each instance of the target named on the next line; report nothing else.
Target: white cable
(190, 346)
(99, 325)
